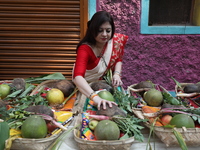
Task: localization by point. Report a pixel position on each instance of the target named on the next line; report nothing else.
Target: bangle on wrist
(118, 73)
(91, 98)
(91, 95)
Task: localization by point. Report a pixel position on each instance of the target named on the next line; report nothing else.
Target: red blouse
(86, 59)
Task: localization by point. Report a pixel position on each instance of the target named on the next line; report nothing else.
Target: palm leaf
(59, 141)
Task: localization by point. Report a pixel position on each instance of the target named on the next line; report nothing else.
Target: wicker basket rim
(105, 142)
(38, 140)
(43, 84)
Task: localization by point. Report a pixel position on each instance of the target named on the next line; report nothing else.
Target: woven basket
(36, 144)
(47, 83)
(166, 135)
(134, 92)
(100, 144)
(190, 98)
(6, 81)
(33, 144)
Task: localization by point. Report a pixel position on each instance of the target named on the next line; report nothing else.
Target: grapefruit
(55, 96)
(4, 90)
(107, 130)
(153, 97)
(106, 95)
(34, 127)
(182, 120)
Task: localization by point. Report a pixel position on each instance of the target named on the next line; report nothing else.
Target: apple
(166, 119)
(51, 127)
(93, 123)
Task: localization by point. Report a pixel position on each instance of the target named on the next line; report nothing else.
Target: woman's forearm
(83, 85)
(118, 67)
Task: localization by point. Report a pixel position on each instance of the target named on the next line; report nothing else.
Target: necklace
(100, 51)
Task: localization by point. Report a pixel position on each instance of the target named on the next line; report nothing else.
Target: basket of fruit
(110, 142)
(189, 93)
(169, 118)
(31, 118)
(170, 126)
(111, 128)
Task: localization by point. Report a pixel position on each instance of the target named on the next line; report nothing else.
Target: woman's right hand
(99, 101)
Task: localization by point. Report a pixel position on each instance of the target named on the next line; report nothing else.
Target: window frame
(146, 29)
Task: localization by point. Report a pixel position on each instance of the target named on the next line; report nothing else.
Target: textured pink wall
(153, 57)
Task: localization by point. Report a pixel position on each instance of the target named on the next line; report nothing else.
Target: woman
(101, 49)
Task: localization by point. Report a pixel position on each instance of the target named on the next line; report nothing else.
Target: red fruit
(51, 126)
(121, 134)
(166, 119)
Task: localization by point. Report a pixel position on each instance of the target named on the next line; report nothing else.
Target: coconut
(66, 86)
(111, 111)
(144, 85)
(2, 104)
(19, 84)
(153, 97)
(40, 109)
(98, 85)
(191, 88)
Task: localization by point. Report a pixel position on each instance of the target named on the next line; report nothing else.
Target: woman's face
(104, 33)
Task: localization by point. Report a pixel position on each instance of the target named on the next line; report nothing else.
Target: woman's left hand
(116, 80)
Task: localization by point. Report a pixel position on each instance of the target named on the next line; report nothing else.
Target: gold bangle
(91, 98)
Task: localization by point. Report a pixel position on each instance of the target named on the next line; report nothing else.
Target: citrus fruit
(34, 127)
(106, 95)
(107, 130)
(153, 97)
(55, 96)
(4, 90)
(182, 120)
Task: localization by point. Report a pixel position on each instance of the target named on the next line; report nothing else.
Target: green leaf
(54, 76)
(58, 142)
(177, 83)
(170, 99)
(180, 139)
(125, 136)
(13, 95)
(27, 91)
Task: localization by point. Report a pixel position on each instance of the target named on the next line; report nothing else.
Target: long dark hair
(93, 26)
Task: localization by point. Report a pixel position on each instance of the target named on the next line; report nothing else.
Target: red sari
(93, 68)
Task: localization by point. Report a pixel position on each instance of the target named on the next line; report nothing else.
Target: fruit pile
(29, 115)
(111, 123)
(161, 109)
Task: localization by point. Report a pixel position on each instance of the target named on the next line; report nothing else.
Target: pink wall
(153, 57)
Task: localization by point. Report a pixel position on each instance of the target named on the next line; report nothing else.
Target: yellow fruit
(55, 96)
(4, 90)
